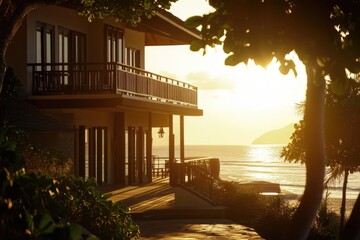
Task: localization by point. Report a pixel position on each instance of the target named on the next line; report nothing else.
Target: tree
(12, 14)
(342, 123)
(326, 37)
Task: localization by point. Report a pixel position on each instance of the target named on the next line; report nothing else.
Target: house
(91, 76)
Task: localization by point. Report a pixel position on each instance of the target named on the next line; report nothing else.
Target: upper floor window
(72, 46)
(44, 44)
(132, 57)
(114, 38)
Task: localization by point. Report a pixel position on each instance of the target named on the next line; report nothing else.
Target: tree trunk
(12, 14)
(343, 202)
(300, 225)
(352, 229)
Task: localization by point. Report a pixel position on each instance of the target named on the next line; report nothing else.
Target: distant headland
(277, 136)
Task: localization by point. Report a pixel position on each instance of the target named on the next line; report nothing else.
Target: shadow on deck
(141, 198)
(153, 208)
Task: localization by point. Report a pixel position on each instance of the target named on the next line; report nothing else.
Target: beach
(334, 204)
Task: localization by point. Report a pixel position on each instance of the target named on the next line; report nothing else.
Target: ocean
(244, 163)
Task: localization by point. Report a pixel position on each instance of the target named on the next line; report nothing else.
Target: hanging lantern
(161, 132)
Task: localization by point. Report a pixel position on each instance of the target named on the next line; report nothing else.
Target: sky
(240, 103)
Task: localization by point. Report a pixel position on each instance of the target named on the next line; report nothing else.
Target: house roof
(166, 29)
(163, 28)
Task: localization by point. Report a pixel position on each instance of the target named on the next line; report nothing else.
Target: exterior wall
(134, 39)
(137, 119)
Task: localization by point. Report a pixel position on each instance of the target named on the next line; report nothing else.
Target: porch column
(171, 152)
(119, 149)
(131, 154)
(140, 153)
(92, 156)
(182, 140)
(99, 153)
(149, 149)
(81, 165)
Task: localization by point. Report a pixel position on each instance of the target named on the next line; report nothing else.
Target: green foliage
(37, 158)
(270, 215)
(244, 203)
(83, 204)
(326, 225)
(125, 11)
(25, 200)
(37, 206)
(275, 218)
(342, 123)
(324, 35)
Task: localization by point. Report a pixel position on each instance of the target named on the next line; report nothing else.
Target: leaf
(76, 231)
(197, 45)
(339, 87)
(193, 22)
(46, 224)
(232, 60)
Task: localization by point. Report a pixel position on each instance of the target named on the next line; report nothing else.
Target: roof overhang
(166, 29)
(117, 103)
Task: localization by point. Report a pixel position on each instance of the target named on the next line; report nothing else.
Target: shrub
(269, 215)
(25, 200)
(244, 204)
(275, 218)
(37, 206)
(326, 225)
(83, 204)
(38, 159)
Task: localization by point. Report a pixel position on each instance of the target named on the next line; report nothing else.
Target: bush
(37, 206)
(25, 200)
(37, 158)
(275, 218)
(244, 204)
(84, 205)
(326, 226)
(270, 215)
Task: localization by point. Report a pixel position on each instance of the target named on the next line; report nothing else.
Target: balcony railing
(114, 78)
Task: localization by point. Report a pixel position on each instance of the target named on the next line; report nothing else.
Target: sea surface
(245, 163)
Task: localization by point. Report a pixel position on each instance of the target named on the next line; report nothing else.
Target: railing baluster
(109, 77)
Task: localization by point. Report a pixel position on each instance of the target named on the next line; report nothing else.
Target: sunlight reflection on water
(261, 162)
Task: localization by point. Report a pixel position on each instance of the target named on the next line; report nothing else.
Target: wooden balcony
(109, 78)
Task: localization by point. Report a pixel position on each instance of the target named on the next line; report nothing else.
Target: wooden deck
(141, 198)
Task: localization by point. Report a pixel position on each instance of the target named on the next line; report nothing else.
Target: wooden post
(92, 152)
(131, 154)
(149, 149)
(82, 151)
(106, 159)
(140, 153)
(171, 151)
(119, 148)
(98, 156)
(182, 139)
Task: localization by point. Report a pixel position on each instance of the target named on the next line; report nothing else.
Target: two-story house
(92, 75)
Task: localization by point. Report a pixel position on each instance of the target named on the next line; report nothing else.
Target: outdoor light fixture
(161, 132)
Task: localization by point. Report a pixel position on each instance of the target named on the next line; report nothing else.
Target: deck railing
(200, 176)
(114, 78)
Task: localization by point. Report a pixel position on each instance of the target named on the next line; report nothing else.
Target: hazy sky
(240, 103)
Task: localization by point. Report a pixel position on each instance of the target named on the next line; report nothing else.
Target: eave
(111, 103)
(166, 29)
